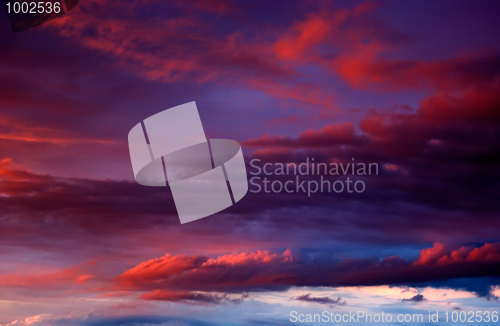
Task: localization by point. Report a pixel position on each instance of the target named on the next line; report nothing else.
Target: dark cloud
(191, 297)
(92, 204)
(416, 298)
(321, 300)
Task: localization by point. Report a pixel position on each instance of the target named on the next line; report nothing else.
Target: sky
(413, 86)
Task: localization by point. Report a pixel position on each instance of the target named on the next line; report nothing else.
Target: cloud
(73, 200)
(321, 300)
(416, 298)
(274, 271)
(39, 280)
(438, 254)
(330, 135)
(38, 320)
(158, 269)
(16, 130)
(430, 255)
(368, 71)
(190, 297)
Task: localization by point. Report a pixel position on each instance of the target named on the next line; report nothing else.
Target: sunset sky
(413, 86)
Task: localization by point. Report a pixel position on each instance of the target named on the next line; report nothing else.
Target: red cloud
(439, 255)
(325, 26)
(431, 255)
(364, 69)
(329, 135)
(474, 105)
(18, 130)
(307, 34)
(173, 278)
(78, 275)
(159, 269)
